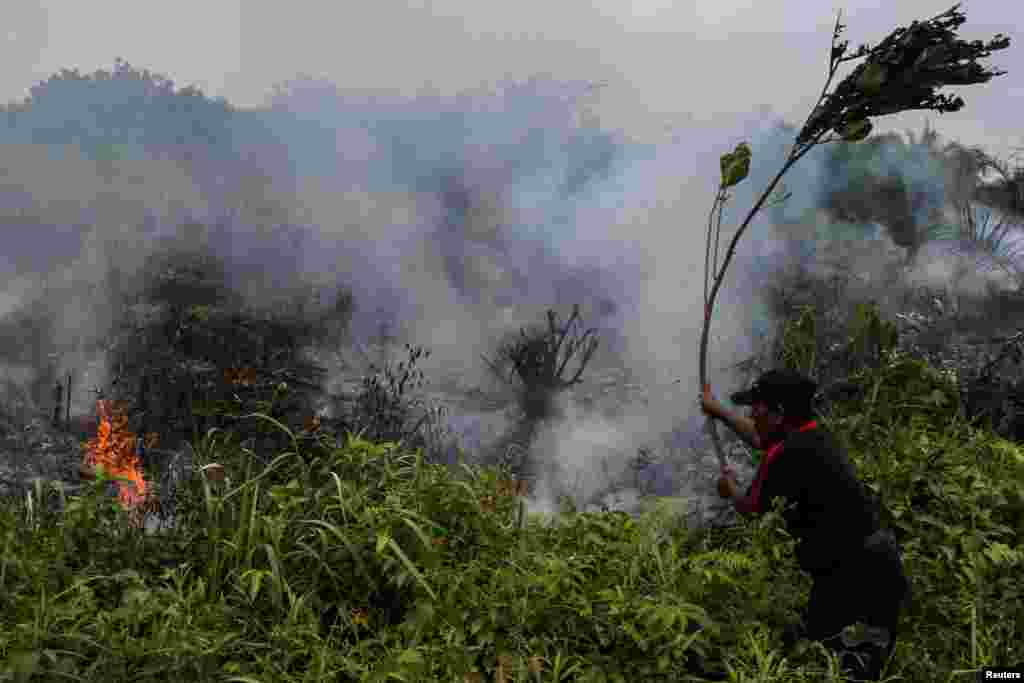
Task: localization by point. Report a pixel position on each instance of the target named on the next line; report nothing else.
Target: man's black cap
(787, 389)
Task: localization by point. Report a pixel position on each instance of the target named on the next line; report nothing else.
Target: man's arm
(745, 429)
(743, 426)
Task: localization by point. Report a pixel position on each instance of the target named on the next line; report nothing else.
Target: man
(856, 566)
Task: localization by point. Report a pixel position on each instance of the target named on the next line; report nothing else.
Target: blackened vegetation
(539, 359)
(537, 365)
(188, 356)
(390, 407)
(994, 396)
(831, 338)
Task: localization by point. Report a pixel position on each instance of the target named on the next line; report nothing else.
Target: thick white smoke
(453, 219)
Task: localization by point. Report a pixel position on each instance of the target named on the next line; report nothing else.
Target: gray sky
(664, 61)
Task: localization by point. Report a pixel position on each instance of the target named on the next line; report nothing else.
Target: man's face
(766, 420)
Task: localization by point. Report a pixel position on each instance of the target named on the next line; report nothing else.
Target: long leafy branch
(902, 73)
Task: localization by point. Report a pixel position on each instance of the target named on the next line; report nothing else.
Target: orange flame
(113, 448)
(240, 376)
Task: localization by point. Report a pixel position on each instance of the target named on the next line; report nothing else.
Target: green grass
(357, 561)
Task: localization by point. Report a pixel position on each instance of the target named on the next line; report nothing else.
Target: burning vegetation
(114, 450)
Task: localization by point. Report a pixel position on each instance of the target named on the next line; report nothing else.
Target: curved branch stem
(709, 304)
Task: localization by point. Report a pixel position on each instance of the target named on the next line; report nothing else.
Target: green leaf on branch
(735, 165)
(855, 131)
(872, 79)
